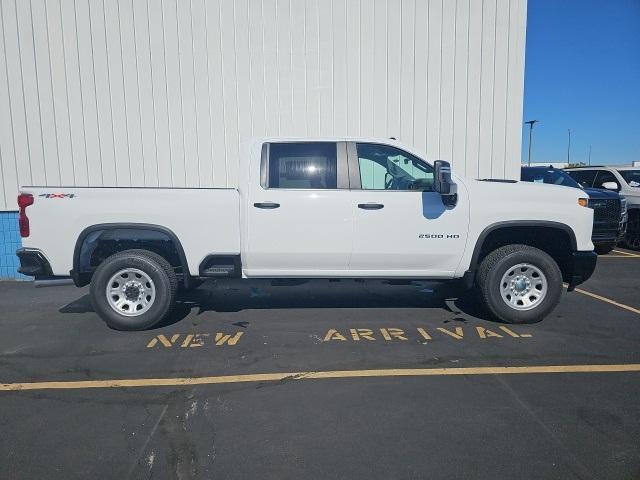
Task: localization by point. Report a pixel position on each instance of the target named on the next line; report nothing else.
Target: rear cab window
(302, 165)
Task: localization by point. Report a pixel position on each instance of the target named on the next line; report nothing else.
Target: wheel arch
(524, 231)
(126, 236)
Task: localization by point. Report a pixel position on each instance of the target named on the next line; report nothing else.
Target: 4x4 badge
(57, 195)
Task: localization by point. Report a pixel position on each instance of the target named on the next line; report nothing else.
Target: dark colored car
(625, 181)
(609, 208)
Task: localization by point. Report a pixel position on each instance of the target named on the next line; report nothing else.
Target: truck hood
(601, 194)
(514, 190)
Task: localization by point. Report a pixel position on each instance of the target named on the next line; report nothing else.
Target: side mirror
(610, 186)
(443, 184)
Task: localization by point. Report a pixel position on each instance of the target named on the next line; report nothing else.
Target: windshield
(632, 177)
(548, 175)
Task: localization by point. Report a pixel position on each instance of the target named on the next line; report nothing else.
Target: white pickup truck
(321, 208)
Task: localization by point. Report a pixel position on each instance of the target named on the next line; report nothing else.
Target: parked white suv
(622, 179)
(326, 208)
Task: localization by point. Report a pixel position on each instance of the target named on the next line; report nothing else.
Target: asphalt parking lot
(324, 380)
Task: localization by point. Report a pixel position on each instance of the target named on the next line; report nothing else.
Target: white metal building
(162, 92)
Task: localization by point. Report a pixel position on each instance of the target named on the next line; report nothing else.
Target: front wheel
(632, 235)
(519, 283)
(133, 290)
(604, 248)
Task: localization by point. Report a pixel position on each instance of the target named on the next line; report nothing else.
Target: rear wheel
(133, 290)
(519, 283)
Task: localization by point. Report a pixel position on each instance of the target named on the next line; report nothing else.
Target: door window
(383, 167)
(308, 165)
(606, 176)
(584, 177)
(632, 177)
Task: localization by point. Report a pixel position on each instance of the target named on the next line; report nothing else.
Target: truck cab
(358, 209)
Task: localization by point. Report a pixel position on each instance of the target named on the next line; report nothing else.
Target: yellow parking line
(626, 253)
(607, 300)
(276, 377)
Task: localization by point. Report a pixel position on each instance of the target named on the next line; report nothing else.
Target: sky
(582, 71)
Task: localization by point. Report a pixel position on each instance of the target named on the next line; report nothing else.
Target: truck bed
(205, 220)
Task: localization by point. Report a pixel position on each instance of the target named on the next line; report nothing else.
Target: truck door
(299, 218)
(401, 226)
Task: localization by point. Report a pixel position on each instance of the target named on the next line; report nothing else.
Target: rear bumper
(33, 263)
(580, 268)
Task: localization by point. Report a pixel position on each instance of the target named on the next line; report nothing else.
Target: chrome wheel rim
(523, 286)
(130, 292)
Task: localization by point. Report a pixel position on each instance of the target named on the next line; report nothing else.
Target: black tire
(498, 262)
(604, 248)
(153, 265)
(632, 236)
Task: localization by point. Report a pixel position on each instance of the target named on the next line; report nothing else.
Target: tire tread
(490, 262)
(155, 260)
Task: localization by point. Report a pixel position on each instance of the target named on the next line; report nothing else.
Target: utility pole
(531, 123)
(589, 155)
(569, 148)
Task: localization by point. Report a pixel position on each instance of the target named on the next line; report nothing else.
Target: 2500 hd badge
(438, 235)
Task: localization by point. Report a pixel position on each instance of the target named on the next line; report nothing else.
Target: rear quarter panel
(205, 221)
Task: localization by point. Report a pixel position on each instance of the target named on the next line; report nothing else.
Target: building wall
(162, 92)
(9, 243)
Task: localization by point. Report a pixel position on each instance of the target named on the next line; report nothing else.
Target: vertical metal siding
(162, 92)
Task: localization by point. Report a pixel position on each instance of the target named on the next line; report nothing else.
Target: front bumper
(33, 263)
(580, 268)
(607, 232)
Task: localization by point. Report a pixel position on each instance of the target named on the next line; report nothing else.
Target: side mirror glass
(610, 186)
(443, 184)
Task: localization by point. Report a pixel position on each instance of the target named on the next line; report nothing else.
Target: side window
(310, 165)
(606, 176)
(584, 177)
(383, 167)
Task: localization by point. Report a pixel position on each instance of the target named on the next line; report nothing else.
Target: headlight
(583, 202)
(623, 206)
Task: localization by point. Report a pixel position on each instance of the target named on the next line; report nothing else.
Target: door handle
(267, 205)
(370, 206)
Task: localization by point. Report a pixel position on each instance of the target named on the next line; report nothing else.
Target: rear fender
(126, 233)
